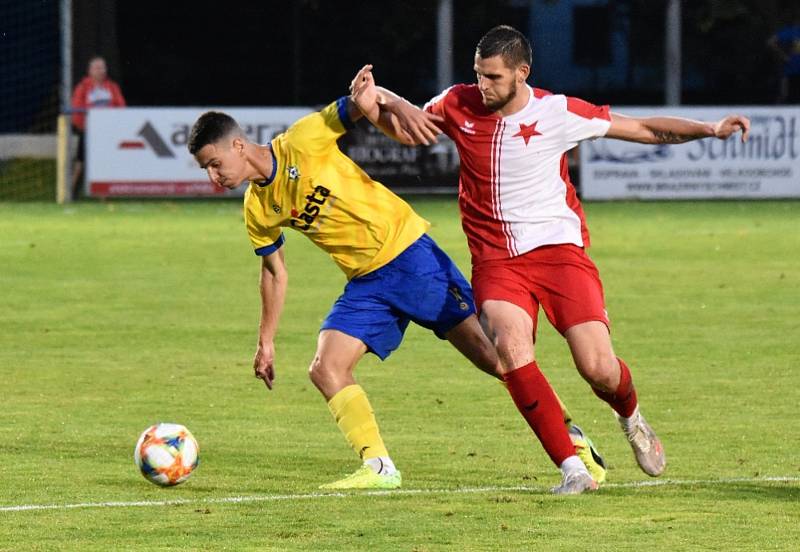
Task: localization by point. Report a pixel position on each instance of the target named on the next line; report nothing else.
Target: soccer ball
(166, 454)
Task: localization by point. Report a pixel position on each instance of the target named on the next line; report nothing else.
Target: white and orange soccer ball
(166, 454)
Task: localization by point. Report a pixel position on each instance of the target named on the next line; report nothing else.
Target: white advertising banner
(141, 152)
(766, 166)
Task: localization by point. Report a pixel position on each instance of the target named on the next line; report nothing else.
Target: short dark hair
(507, 42)
(210, 128)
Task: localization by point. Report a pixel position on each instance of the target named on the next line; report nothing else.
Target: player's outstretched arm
(674, 130)
(273, 292)
(393, 115)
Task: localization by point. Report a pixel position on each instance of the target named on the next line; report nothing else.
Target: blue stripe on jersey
(274, 170)
(270, 249)
(341, 108)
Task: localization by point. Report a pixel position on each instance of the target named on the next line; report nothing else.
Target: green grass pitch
(116, 315)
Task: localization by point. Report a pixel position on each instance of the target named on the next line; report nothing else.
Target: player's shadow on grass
(779, 490)
(150, 491)
(723, 490)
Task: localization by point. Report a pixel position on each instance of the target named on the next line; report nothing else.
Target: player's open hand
(363, 91)
(731, 125)
(420, 125)
(263, 364)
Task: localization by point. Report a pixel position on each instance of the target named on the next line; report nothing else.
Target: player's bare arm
(674, 130)
(273, 292)
(393, 115)
(420, 125)
(364, 94)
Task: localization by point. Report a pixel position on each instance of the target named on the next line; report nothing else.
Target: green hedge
(26, 179)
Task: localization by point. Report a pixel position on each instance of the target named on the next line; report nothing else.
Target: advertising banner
(404, 169)
(766, 166)
(141, 152)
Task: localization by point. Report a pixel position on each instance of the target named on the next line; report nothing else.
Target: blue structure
(583, 47)
(579, 45)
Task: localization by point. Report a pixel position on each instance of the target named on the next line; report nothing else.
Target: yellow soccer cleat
(588, 454)
(366, 478)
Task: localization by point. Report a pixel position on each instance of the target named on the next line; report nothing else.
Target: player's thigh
(508, 310)
(511, 329)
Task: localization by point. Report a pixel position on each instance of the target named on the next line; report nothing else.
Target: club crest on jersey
(276, 208)
(294, 173)
(468, 127)
(302, 220)
(527, 131)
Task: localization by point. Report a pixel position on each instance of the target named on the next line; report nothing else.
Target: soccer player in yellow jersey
(395, 271)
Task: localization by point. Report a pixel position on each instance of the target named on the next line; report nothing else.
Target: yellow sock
(354, 416)
(564, 411)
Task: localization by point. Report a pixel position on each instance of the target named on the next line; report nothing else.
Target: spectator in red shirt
(94, 90)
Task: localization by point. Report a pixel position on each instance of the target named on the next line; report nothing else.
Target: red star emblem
(526, 131)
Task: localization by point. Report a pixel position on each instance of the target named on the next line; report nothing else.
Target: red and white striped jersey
(514, 189)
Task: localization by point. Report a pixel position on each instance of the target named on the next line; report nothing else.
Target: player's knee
(601, 371)
(325, 372)
(318, 371)
(513, 352)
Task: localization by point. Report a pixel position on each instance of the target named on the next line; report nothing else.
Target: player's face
(224, 162)
(497, 82)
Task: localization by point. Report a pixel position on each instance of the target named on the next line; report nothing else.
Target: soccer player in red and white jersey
(526, 229)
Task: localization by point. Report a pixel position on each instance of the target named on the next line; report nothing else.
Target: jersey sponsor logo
(302, 220)
(526, 132)
(468, 127)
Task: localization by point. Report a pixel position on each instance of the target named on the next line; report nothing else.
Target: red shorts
(561, 278)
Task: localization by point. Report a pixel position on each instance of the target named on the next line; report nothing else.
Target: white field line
(396, 492)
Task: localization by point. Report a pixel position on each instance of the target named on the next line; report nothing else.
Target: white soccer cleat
(646, 446)
(575, 483)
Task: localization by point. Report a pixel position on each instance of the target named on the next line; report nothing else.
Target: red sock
(539, 406)
(623, 400)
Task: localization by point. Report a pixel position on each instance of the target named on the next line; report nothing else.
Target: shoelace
(638, 436)
(572, 479)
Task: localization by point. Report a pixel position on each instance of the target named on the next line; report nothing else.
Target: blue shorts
(422, 284)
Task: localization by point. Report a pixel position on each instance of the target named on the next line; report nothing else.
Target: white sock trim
(631, 421)
(381, 465)
(572, 464)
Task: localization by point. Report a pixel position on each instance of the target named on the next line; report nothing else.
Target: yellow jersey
(317, 190)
